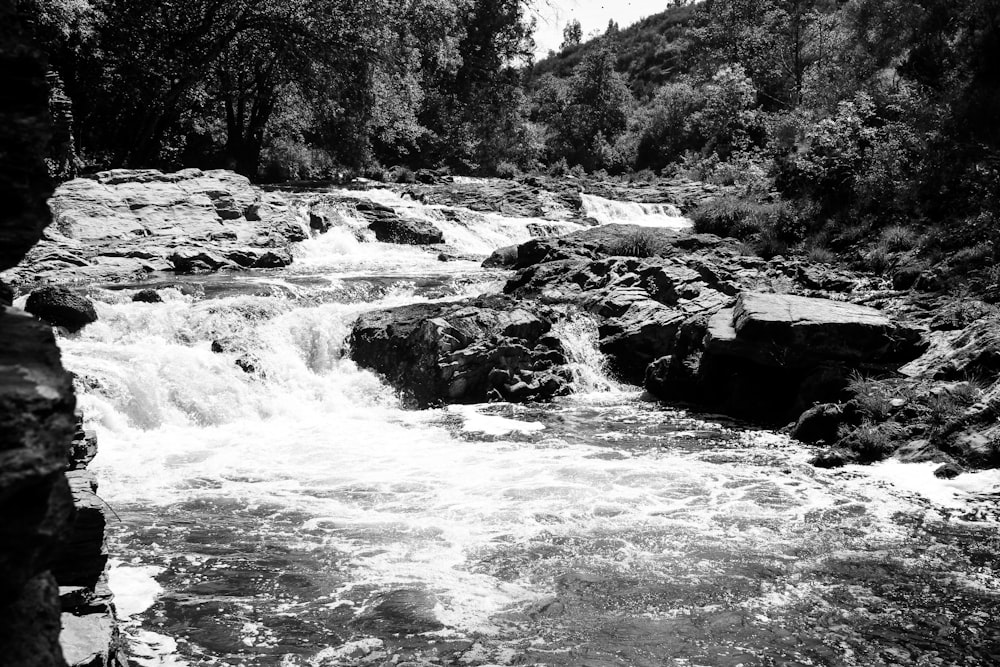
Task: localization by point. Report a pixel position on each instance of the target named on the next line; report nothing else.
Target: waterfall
(607, 211)
(588, 365)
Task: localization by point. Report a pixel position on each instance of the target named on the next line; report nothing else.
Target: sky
(593, 15)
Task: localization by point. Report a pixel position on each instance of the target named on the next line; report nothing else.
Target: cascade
(607, 211)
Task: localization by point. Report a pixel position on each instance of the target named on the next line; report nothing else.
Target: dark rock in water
(404, 611)
(832, 458)
(83, 555)
(502, 258)
(147, 296)
(319, 222)
(772, 356)
(948, 471)
(463, 352)
(6, 294)
(406, 230)
(819, 423)
(61, 307)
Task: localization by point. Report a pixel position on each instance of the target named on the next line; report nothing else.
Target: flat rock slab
(823, 328)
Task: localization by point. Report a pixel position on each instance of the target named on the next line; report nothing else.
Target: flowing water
(296, 515)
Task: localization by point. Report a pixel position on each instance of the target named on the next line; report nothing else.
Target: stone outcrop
(61, 307)
(467, 351)
(122, 225)
(36, 395)
(394, 229)
(772, 356)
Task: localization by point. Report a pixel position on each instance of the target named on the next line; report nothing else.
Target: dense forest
(831, 119)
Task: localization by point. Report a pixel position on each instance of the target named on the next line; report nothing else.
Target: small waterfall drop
(590, 368)
(607, 211)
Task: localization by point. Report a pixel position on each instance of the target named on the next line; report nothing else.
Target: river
(296, 515)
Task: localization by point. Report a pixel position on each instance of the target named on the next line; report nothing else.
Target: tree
(594, 110)
(572, 35)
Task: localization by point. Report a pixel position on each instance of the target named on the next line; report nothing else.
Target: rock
(772, 356)
(92, 640)
(819, 424)
(972, 352)
(404, 611)
(147, 296)
(61, 307)
(30, 622)
(832, 458)
(196, 260)
(120, 225)
(502, 258)
(463, 352)
(6, 294)
(319, 222)
(406, 230)
(811, 329)
(948, 471)
(36, 424)
(83, 555)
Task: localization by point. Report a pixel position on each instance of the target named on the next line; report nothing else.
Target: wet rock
(147, 296)
(319, 222)
(948, 471)
(6, 294)
(196, 260)
(819, 423)
(832, 458)
(61, 307)
(405, 611)
(393, 229)
(463, 352)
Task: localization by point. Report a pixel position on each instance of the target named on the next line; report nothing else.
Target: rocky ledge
(466, 351)
(122, 225)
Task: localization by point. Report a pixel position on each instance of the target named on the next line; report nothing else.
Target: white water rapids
(267, 517)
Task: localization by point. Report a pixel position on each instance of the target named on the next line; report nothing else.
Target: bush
(507, 170)
(403, 175)
(287, 160)
(774, 223)
(639, 243)
(897, 238)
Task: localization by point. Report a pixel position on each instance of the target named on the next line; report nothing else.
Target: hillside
(649, 53)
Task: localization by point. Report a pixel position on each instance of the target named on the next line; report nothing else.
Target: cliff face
(36, 394)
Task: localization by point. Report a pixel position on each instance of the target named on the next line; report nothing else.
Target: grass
(639, 243)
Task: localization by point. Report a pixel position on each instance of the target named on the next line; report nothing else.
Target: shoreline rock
(467, 351)
(122, 225)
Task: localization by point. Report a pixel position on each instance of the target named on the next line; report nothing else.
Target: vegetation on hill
(838, 120)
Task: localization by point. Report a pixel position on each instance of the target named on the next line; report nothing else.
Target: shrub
(507, 170)
(870, 396)
(403, 175)
(874, 441)
(897, 238)
(638, 243)
(821, 255)
(774, 224)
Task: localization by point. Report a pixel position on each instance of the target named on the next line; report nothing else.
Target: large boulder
(467, 351)
(61, 307)
(772, 356)
(410, 231)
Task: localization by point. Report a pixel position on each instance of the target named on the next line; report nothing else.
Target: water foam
(607, 211)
